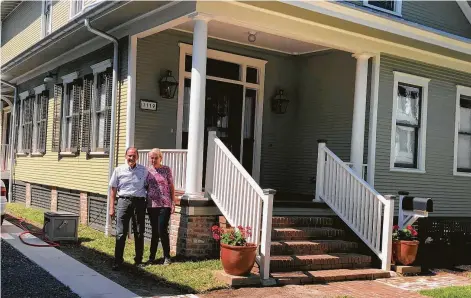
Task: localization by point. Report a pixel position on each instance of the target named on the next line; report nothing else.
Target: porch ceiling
(264, 40)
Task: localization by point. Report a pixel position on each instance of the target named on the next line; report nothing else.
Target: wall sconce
(50, 77)
(279, 103)
(168, 85)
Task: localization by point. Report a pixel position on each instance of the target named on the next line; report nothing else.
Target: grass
(97, 251)
(448, 292)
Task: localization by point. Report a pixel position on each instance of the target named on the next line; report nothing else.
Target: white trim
(101, 66)
(243, 61)
(375, 69)
(69, 78)
(23, 95)
(465, 8)
(421, 151)
(39, 89)
(43, 20)
(72, 12)
(397, 7)
(460, 90)
(131, 100)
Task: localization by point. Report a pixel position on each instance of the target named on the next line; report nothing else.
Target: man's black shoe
(140, 264)
(116, 267)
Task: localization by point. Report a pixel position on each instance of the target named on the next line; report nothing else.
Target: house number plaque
(148, 105)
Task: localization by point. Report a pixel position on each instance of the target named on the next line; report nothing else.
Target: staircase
(309, 250)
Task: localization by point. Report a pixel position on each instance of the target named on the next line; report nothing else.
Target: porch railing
(5, 158)
(239, 198)
(364, 169)
(173, 158)
(360, 206)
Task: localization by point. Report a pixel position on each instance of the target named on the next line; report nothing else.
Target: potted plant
(405, 244)
(237, 255)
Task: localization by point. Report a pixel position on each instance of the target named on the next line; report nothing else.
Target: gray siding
(441, 15)
(451, 194)
(160, 52)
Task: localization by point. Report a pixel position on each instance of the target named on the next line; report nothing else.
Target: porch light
(168, 85)
(279, 103)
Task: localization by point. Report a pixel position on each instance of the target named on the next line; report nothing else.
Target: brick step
(319, 262)
(301, 221)
(307, 277)
(305, 233)
(311, 247)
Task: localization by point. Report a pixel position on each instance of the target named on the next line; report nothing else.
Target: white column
(194, 170)
(359, 111)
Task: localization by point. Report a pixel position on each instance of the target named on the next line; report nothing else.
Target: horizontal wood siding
(60, 13)
(41, 197)
(323, 109)
(160, 52)
(21, 29)
(78, 173)
(19, 193)
(451, 194)
(68, 201)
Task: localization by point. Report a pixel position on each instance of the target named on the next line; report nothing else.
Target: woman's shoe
(167, 262)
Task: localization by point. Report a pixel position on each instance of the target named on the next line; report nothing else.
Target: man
(129, 182)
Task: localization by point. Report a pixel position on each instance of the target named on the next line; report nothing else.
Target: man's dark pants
(135, 209)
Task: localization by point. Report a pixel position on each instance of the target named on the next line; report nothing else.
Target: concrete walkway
(82, 280)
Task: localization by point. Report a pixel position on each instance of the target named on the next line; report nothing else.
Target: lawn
(449, 292)
(97, 251)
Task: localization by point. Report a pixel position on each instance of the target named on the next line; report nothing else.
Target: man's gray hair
(129, 148)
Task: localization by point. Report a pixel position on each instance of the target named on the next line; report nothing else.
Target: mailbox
(417, 204)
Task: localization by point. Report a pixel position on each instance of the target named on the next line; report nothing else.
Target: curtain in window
(408, 105)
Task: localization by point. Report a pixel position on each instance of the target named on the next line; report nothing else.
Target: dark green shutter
(56, 125)
(42, 129)
(86, 113)
(76, 104)
(108, 80)
(27, 124)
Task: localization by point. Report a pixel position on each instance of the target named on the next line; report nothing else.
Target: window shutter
(17, 125)
(109, 87)
(42, 129)
(56, 125)
(28, 124)
(77, 98)
(86, 112)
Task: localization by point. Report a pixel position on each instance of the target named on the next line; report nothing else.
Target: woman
(161, 198)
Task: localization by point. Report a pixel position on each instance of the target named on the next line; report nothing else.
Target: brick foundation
(190, 235)
(28, 195)
(83, 208)
(53, 199)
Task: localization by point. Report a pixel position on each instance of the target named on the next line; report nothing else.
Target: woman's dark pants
(159, 219)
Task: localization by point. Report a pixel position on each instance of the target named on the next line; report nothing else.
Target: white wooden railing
(360, 206)
(364, 168)
(239, 198)
(173, 158)
(4, 158)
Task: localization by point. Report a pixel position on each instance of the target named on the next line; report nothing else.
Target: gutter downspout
(12, 139)
(113, 113)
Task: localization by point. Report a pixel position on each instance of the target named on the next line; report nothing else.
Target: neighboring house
(387, 84)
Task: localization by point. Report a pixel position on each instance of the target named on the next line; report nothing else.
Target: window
(41, 100)
(71, 112)
(76, 7)
(394, 7)
(462, 162)
(409, 122)
(25, 125)
(47, 17)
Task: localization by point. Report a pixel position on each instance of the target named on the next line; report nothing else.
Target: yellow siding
(21, 29)
(60, 14)
(122, 105)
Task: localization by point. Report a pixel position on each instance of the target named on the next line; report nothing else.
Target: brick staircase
(308, 250)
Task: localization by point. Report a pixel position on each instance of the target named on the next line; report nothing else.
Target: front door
(230, 115)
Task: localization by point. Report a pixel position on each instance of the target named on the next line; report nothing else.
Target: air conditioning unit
(61, 226)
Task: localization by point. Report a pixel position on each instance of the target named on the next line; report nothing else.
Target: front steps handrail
(239, 198)
(359, 205)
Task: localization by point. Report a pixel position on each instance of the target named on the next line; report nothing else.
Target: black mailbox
(421, 204)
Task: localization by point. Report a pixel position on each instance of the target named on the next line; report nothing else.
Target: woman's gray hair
(156, 151)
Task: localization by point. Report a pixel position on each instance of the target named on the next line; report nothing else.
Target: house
(239, 94)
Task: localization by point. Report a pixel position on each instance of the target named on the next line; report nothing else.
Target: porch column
(194, 170)
(359, 111)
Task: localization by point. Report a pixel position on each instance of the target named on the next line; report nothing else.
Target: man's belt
(132, 198)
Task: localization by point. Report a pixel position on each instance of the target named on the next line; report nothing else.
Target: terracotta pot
(405, 251)
(238, 260)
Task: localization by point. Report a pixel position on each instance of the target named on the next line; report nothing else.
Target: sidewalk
(82, 280)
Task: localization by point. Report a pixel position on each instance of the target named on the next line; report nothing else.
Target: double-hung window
(76, 7)
(408, 137)
(393, 6)
(70, 126)
(462, 164)
(41, 101)
(25, 123)
(47, 17)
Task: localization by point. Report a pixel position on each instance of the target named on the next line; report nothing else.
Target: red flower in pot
(237, 255)
(405, 245)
